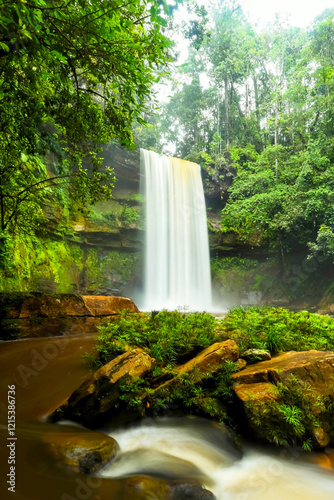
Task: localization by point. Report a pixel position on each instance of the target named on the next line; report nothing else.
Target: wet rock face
(39, 315)
(54, 305)
(93, 402)
(81, 451)
(99, 398)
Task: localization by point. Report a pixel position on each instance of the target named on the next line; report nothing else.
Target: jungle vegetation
(261, 104)
(73, 75)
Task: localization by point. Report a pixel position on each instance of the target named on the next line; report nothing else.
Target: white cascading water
(193, 449)
(177, 263)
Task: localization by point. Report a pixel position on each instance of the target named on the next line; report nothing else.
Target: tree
(73, 74)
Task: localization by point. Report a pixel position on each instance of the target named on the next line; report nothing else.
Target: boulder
(254, 355)
(107, 306)
(189, 491)
(208, 361)
(320, 437)
(312, 372)
(259, 393)
(93, 402)
(145, 487)
(315, 368)
(241, 364)
(80, 451)
(211, 359)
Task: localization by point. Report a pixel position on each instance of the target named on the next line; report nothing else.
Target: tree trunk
(227, 111)
(282, 257)
(276, 139)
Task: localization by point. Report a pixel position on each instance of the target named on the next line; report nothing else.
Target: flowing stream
(194, 449)
(177, 264)
(183, 449)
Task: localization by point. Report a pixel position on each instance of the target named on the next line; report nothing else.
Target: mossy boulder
(289, 398)
(95, 402)
(80, 450)
(208, 361)
(254, 355)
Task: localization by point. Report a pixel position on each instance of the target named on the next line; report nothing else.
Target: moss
(92, 270)
(121, 266)
(233, 274)
(46, 265)
(293, 418)
(240, 275)
(36, 260)
(130, 217)
(66, 264)
(113, 214)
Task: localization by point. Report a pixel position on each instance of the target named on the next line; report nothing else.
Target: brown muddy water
(46, 371)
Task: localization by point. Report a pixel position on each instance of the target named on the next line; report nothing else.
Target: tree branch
(106, 12)
(38, 7)
(50, 179)
(93, 92)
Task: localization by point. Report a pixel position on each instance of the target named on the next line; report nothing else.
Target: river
(46, 371)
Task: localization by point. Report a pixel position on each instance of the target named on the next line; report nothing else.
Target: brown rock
(314, 368)
(320, 437)
(81, 451)
(261, 392)
(241, 364)
(211, 359)
(314, 371)
(144, 487)
(107, 306)
(92, 402)
(41, 315)
(47, 327)
(206, 362)
(52, 306)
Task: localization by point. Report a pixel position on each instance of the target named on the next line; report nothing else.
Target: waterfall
(177, 263)
(191, 449)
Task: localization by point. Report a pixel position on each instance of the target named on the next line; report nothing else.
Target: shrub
(167, 335)
(278, 329)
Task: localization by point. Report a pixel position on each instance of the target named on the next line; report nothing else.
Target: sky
(302, 12)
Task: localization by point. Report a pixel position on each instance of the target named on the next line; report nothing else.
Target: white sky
(302, 12)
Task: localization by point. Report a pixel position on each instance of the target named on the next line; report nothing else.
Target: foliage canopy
(73, 75)
(262, 103)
